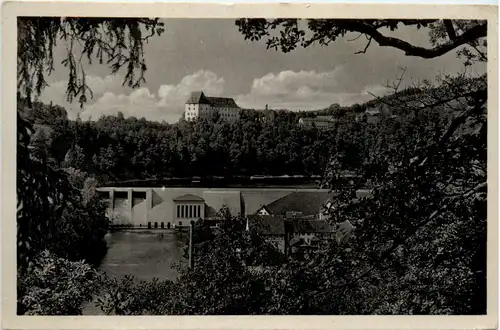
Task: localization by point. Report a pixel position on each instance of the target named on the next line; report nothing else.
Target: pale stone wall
(152, 205)
(194, 111)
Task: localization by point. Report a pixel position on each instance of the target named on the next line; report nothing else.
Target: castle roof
(197, 98)
(219, 102)
(222, 102)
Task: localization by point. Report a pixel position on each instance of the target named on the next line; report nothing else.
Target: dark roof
(311, 226)
(267, 224)
(200, 98)
(222, 102)
(197, 98)
(275, 225)
(307, 203)
(263, 207)
(188, 198)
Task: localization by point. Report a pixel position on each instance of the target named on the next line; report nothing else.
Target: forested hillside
(114, 148)
(117, 148)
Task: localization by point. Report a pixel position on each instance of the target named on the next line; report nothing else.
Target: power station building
(172, 207)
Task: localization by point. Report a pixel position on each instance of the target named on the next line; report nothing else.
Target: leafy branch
(116, 42)
(287, 34)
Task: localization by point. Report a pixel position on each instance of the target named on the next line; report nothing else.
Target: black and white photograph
(252, 166)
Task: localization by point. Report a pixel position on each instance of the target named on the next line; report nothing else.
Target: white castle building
(200, 106)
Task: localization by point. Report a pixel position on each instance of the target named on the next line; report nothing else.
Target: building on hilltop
(200, 106)
(321, 122)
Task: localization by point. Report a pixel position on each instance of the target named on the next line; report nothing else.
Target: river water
(139, 253)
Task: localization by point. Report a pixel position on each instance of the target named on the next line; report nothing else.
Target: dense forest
(115, 148)
(267, 142)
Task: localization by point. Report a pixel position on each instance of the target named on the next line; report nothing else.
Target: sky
(211, 55)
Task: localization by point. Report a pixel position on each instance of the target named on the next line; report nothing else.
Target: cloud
(176, 95)
(110, 97)
(56, 91)
(304, 90)
(139, 103)
(289, 81)
(375, 90)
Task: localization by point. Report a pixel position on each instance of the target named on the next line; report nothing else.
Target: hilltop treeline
(115, 148)
(118, 148)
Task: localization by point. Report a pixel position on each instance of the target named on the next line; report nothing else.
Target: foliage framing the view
(54, 214)
(116, 42)
(445, 35)
(420, 241)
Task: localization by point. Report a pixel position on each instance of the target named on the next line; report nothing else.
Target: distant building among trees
(374, 114)
(321, 122)
(200, 106)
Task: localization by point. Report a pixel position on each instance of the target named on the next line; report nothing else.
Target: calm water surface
(141, 254)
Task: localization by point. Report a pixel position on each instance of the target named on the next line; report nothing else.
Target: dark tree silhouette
(444, 35)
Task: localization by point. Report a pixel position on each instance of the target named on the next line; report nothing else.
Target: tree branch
(366, 47)
(448, 24)
(354, 39)
(480, 53)
(474, 33)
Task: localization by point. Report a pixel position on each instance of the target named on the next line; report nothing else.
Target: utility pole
(191, 245)
(287, 238)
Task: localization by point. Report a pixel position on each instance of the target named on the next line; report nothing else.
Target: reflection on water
(139, 253)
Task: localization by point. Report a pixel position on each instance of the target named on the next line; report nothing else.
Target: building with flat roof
(201, 106)
(171, 207)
